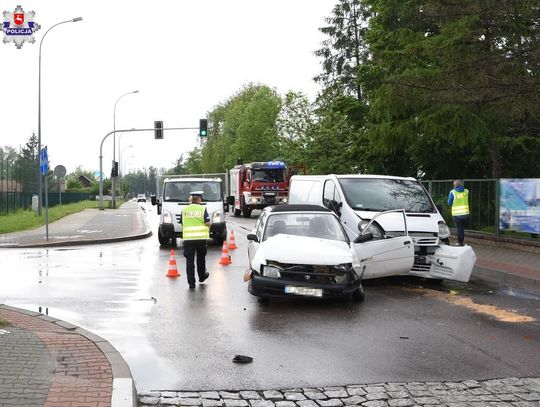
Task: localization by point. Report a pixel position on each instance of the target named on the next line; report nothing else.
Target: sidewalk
(48, 362)
(87, 227)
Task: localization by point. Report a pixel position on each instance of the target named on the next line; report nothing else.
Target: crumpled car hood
(292, 249)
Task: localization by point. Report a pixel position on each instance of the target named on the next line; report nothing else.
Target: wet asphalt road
(174, 338)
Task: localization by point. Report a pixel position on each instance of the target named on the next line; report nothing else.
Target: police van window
(328, 193)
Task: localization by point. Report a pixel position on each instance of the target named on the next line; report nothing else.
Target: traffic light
(203, 127)
(114, 170)
(158, 130)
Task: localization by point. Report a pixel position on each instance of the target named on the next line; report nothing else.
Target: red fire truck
(257, 185)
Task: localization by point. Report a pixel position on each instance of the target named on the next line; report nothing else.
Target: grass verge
(27, 219)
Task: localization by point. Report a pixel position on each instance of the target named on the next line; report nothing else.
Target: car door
(390, 256)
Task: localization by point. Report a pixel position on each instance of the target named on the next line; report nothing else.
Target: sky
(184, 58)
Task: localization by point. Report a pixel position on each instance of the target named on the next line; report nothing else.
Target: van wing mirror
(253, 237)
(153, 199)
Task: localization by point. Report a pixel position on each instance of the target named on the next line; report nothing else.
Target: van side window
(328, 193)
(331, 198)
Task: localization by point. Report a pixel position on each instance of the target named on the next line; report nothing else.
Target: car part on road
(242, 359)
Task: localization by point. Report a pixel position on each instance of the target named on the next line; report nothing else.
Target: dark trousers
(460, 221)
(192, 248)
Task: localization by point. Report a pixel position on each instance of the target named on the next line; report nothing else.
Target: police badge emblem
(19, 27)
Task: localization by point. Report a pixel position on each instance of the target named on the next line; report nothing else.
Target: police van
(173, 196)
(356, 199)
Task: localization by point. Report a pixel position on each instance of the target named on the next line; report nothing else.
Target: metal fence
(19, 182)
(483, 202)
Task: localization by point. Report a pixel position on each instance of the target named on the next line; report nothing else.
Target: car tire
(237, 212)
(162, 239)
(358, 295)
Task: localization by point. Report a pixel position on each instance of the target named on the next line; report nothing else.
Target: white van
(356, 199)
(175, 196)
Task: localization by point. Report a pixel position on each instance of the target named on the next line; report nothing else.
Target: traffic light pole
(125, 131)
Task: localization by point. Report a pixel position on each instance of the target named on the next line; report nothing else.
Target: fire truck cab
(257, 185)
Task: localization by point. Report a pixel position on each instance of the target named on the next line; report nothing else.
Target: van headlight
(167, 217)
(444, 230)
(217, 217)
(373, 229)
(271, 271)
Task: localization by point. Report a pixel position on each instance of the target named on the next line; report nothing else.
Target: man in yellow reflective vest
(195, 233)
(458, 199)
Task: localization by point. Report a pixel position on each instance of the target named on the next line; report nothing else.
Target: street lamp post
(121, 162)
(114, 146)
(40, 177)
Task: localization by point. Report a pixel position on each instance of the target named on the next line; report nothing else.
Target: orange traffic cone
(232, 243)
(225, 258)
(173, 270)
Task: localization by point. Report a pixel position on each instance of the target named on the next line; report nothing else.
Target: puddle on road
(453, 298)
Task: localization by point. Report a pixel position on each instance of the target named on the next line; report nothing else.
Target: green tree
(455, 80)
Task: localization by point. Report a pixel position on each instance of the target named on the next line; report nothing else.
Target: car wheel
(162, 239)
(237, 212)
(358, 295)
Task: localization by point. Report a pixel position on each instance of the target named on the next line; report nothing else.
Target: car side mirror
(364, 238)
(253, 237)
(153, 200)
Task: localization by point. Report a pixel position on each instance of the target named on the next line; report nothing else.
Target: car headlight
(284, 199)
(340, 268)
(444, 230)
(253, 200)
(373, 229)
(167, 217)
(217, 217)
(271, 271)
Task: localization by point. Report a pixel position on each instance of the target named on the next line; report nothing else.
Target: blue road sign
(43, 161)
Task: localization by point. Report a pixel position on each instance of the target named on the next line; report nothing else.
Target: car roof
(192, 180)
(297, 208)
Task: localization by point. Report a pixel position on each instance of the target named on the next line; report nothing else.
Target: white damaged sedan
(303, 250)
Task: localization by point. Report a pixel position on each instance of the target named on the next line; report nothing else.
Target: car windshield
(179, 191)
(377, 194)
(269, 175)
(321, 225)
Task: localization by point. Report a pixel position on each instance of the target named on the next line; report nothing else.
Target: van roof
(341, 176)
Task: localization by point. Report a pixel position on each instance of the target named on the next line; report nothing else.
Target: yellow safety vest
(460, 205)
(193, 227)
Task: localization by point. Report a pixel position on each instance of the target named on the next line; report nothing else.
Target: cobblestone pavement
(517, 392)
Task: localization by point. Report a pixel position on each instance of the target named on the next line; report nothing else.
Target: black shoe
(192, 286)
(206, 275)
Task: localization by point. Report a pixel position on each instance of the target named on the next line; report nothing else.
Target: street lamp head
(77, 19)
